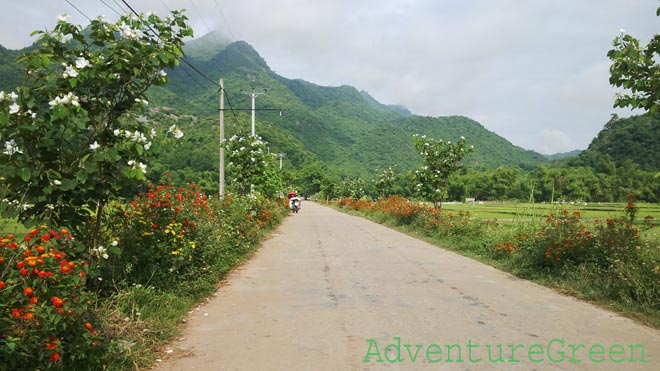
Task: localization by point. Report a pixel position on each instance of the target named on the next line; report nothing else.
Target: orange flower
(89, 326)
(57, 302)
(27, 291)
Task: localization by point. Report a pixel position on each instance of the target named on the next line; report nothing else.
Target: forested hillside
(341, 132)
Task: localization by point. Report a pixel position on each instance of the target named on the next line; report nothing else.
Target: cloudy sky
(533, 71)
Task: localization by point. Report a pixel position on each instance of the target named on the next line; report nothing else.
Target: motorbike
(294, 204)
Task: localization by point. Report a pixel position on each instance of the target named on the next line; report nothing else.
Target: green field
(526, 211)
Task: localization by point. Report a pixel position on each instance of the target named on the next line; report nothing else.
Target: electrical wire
(225, 20)
(79, 11)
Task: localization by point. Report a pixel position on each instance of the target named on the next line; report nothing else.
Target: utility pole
(222, 138)
(281, 156)
(254, 94)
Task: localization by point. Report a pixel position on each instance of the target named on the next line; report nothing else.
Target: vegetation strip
(613, 262)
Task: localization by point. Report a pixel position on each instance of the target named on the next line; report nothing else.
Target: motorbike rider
(294, 201)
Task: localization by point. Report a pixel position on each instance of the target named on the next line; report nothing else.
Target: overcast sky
(532, 71)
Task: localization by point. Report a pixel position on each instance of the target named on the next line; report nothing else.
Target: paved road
(328, 291)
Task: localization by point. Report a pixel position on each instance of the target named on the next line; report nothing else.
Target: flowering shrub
(361, 205)
(400, 208)
(251, 165)
(158, 234)
(73, 134)
(45, 316)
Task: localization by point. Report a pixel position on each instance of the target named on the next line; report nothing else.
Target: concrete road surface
(330, 291)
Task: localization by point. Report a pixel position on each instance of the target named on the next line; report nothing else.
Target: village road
(329, 291)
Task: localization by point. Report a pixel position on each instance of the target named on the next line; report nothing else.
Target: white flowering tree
(251, 167)
(74, 134)
(440, 160)
(636, 68)
(385, 181)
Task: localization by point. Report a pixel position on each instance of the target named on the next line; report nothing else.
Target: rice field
(525, 211)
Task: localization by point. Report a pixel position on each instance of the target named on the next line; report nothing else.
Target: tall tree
(440, 161)
(73, 135)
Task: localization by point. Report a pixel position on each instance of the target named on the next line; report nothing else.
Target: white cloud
(535, 71)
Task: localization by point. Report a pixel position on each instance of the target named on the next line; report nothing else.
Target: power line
(225, 20)
(208, 29)
(79, 11)
(111, 8)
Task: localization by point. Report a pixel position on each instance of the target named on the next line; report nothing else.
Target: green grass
(525, 211)
(12, 226)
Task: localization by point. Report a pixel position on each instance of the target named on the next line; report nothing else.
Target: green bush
(47, 317)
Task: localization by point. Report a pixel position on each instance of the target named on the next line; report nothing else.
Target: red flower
(45, 237)
(27, 291)
(57, 302)
(2, 285)
(54, 357)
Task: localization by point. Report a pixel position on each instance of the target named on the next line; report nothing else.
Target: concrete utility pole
(222, 138)
(254, 94)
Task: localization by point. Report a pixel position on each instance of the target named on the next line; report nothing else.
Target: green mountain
(346, 129)
(625, 141)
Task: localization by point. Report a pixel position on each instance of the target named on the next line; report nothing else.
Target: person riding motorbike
(294, 202)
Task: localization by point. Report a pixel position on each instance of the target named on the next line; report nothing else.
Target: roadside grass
(145, 318)
(618, 268)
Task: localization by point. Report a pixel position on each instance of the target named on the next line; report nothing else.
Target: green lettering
(513, 347)
(592, 352)
(470, 346)
(417, 347)
(531, 352)
(396, 346)
(632, 352)
(490, 359)
(460, 354)
(575, 348)
(430, 352)
(620, 351)
(372, 343)
(561, 352)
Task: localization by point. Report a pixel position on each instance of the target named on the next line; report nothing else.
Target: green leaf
(73, 82)
(24, 173)
(69, 184)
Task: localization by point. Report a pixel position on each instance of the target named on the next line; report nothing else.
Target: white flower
(3, 96)
(162, 73)
(171, 129)
(14, 108)
(131, 162)
(462, 138)
(152, 133)
(178, 134)
(115, 243)
(141, 101)
(13, 96)
(143, 167)
(117, 132)
(127, 32)
(63, 17)
(57, 182)
(69, 71)
(147, 146)
(94, 146)
(82, 63)
(142, 119)
(11, 148)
